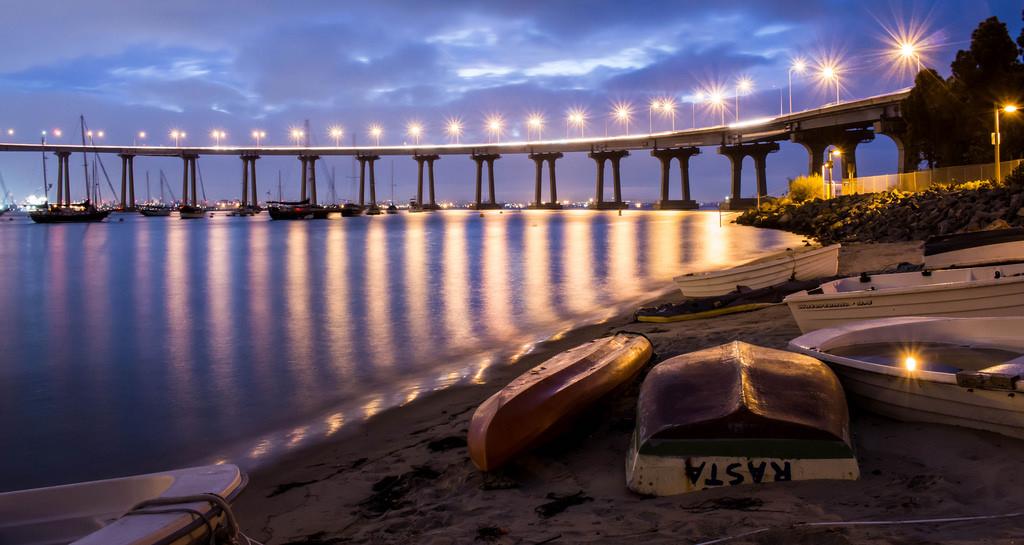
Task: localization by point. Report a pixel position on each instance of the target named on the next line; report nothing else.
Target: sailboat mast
(280, 197)
(148, 197)
(85, 158)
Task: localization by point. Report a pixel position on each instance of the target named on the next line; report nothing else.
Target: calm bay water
(152, 343)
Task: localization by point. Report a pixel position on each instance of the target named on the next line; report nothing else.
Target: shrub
(1016, 178)
(805, 188)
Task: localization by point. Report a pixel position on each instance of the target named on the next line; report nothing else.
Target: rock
(997, 224)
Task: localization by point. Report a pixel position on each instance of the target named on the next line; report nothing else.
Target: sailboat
(392, 209)
(67, 211)
(159, 209)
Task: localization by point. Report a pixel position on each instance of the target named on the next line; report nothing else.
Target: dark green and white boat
(738, 414)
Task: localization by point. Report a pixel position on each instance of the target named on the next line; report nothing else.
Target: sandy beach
(404, 476)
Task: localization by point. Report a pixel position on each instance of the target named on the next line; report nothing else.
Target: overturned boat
(974, 248)
(958, 371)
(978, 291)
(538, 403)
(181, 507)
(807, 263)
(738, 414)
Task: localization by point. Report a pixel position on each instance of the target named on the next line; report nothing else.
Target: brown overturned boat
(738, 414)
(536, 404)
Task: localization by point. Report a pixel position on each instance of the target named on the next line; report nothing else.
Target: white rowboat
(974, 249)
(958, 371)
(978, 291)
(801, 264)
(96, 513)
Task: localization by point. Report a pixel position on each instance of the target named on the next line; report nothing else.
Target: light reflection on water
(156, 343)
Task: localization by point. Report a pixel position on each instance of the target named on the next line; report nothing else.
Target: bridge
(843, 125)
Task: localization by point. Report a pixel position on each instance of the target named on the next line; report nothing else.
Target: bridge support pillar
(188, 181)
(127, 181)
(63, 178)
(420, 161)
(308, 181)
(615, 157)
(539, 159)
(491, 202)
(666, 156)
(896, 129)
(736, 153)
(816, 141)
(249, 182)
(363, 160)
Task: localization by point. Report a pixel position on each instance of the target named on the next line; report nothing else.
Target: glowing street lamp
(576, 117)
(141, 135)
(415, 130)
(743, 85)
(217, 136)
(336, 133)
(258, 135)
(798, 66)
(535, 123)
(668, 107)
(908, 52)
(58, 133)
(376, 131)
(654, 105)
(10, 132)
(297, 136)
(494, 125)
(717, 101)
(997, 137)
(454, 128)
(622, 113)
(178, 136)
(831, 73)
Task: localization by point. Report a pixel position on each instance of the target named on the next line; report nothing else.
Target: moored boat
(350, 209)
(83, 212)
(978, 291)
(957, 371)
(974, 248)
(806, 263)
(738, 414)
(189, 212)
(168, 508)
(535, 405)
(154, 210)
(283, 210)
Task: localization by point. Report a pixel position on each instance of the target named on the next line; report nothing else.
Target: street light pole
(997, 137)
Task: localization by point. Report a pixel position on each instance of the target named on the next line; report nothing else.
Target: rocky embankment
(897, 216)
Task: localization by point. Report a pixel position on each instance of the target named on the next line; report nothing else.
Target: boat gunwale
(805, 295)
(785, 257)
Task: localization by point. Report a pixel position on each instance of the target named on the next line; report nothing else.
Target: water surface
(152, 343)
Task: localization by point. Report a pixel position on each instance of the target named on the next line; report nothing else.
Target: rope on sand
(839, 524)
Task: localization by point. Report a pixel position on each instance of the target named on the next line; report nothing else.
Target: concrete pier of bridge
(308, 181)
(538, 160)
(63, 179)
(372, 209)
(816, 141)
(491, 203)
(736, 153)
(614, 156)
(249, 182)
(666, 156)
(432, 203)
(127, 181)
(188, 180)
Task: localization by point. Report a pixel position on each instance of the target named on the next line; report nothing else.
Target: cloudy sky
(195, 65)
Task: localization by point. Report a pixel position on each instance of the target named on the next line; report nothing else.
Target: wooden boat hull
(978, 291)
(727, 416)
(921, 395)
(534, 405)
(800, 264)
(93, 513)
(974, 249)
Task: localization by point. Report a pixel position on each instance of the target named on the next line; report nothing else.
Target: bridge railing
(923, 179)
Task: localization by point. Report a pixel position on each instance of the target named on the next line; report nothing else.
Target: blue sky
(132, 66)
